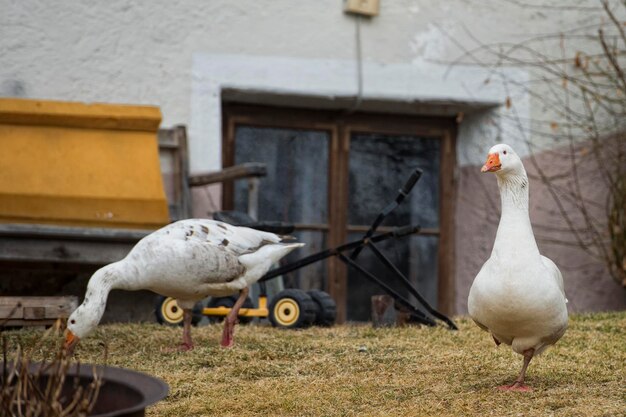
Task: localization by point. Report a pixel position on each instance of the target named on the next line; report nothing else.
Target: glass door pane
(295, 189)
(378, 166)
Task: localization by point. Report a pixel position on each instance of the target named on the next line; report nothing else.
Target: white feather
(518, 294)
(188, 260)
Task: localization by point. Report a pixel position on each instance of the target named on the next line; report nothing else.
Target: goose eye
(73, 321)
(504, 152)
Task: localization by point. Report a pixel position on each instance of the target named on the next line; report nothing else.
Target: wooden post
(447, 198)
(383, 311)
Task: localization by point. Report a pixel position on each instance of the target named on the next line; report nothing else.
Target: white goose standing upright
(518, 294)
(188, 260)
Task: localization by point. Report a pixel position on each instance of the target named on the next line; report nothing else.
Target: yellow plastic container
(77, 164)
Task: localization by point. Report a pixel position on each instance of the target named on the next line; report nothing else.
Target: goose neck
(515, 236)
(100, 285)
(514, 193)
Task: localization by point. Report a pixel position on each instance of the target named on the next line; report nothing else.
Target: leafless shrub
(43, 389)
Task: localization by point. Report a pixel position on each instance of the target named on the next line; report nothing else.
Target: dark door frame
(339, 126)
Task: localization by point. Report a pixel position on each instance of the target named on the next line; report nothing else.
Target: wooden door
(331, 173)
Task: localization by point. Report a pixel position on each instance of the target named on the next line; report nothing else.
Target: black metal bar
(398, 232)
(399, 298)
(298, 264)
(402, 193)
(409, 286)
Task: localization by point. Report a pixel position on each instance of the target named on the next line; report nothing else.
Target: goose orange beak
(70, 342)
(493, 163)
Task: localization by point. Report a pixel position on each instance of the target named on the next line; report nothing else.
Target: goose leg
(519, 385)
(231, 319)
(187, 343)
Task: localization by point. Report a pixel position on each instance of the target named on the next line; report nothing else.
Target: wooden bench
(35, 311)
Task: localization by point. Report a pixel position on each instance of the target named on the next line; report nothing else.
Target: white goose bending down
(518, 294)
(188, 260)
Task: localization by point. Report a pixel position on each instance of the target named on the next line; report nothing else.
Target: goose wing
(554, 273)
(194, 252)
(233, 239)
(240, 240)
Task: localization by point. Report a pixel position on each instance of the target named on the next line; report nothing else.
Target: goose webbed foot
(518, 385)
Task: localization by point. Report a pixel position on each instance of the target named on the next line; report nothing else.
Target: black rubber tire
(167, 312)
(292, 309)
(326, 312)
(229, 302)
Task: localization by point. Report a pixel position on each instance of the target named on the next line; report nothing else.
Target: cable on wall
(359, 66)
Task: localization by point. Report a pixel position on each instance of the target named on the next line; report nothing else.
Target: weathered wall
(182, 55)
(143, 51)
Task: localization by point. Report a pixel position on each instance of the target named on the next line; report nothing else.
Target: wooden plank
(388, 124)
(34, 313)
(173, 142)
(250, 169)
(281, 117)
(41, 231)
(300, 118)
(337, 217)
(46, 312)
(183, 167)
(30, 323)
(447, 200)
(28, 311)
(11, 311)
(14, 249)
(228, 158)
(65, 245)
(64, 301)
(58, 311)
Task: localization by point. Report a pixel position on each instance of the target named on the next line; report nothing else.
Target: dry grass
(361, 371)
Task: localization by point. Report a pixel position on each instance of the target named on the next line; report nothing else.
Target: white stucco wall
(178, 54)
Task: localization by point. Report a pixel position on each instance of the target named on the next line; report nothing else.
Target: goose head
(80, 323)
(503, 160)
(87, 316)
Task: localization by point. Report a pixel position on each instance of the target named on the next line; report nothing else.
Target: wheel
(292, 309)
(326, 312)
(168, 312)
(229, 302)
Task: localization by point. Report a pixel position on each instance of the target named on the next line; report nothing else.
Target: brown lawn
(355, 370)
